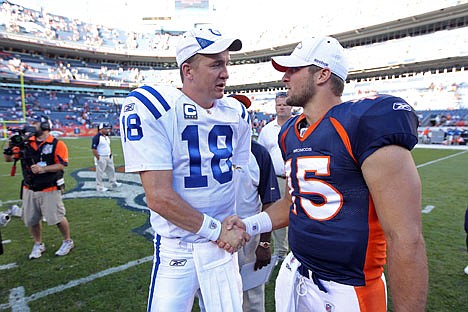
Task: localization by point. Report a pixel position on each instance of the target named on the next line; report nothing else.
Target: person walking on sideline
(102, 152)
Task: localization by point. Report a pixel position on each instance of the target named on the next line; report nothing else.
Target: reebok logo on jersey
(329, 307)
(129, 107)
(178, 262)
(213, 225)
(402, 106)
(190, 111)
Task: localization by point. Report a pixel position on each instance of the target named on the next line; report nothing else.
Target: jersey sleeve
(95, 142)
(268, 188)
(61, 153)
(385, 121)
(146, 128)
(241, 154)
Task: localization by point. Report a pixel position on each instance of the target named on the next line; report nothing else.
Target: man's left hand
(263, 256)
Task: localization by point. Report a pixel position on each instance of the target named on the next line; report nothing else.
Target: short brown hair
(337, 84)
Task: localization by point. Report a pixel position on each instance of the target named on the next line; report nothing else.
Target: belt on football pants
(313, 276)
(281, 176)
(177, 243)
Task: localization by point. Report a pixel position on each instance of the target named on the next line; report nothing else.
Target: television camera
(19, 137)
(17, 143)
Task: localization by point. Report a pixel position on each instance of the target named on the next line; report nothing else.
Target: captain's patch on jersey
(402, 106)
(190, 111)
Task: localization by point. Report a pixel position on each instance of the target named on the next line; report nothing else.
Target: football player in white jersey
(184, 143)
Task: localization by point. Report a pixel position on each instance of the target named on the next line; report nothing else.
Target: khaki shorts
(42, 204)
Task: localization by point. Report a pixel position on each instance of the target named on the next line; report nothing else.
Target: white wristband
(259, 223)
(211, 228)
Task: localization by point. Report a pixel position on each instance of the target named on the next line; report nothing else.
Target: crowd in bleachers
(66, 109)
(17, 19)
(37, 25)
(427, 92)
(72, 109)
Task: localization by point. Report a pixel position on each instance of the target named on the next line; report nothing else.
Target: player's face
(300, 84)
(210, 74)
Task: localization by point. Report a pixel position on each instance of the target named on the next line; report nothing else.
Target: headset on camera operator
(43, 160)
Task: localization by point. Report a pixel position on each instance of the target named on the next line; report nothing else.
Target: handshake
(233, 234)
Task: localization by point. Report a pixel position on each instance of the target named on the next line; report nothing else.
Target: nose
(224, 73)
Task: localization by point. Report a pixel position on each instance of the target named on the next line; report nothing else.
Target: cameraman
(43, 160)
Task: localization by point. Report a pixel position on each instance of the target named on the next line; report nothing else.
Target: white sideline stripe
(428, 209)
(8, 266)
(440, 159)
(9, 201)
(77, 282)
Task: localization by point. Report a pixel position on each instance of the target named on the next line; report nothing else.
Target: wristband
(211, 228)
(259, 223)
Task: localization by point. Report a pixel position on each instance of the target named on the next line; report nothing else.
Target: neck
(198, 98)
(282, 119)
(43, 136)
(318, 107)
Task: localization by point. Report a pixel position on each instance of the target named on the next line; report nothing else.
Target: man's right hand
(233, 236)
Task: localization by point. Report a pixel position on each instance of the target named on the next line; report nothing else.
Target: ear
(323, 75)
(187, 71)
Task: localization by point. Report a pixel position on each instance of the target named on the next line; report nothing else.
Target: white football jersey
(163, 129)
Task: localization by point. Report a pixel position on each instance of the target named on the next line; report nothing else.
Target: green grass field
(109, 270)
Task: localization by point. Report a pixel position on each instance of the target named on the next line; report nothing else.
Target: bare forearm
(408, 276)
(279, 213)
(173, 208)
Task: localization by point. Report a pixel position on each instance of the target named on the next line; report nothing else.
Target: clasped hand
(233, 236)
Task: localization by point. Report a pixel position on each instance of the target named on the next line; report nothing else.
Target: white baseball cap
(204, 40)
(324, 52)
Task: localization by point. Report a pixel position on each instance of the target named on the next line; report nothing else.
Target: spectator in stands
(102, 152)
(269, 139)
(43, 161)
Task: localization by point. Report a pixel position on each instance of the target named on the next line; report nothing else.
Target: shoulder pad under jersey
(230, 101)
(157, 100)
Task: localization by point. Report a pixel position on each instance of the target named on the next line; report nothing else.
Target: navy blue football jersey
(333, 227)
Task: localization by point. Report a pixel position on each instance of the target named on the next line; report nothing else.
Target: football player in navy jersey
(184, 144)
(354, 194)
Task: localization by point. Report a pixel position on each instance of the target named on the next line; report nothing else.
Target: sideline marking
(70, 284)
(9, 201)
(8, 266)
(440, 159)
(17, 301)
(428, 209)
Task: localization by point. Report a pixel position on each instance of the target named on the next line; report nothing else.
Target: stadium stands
(89, 84)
